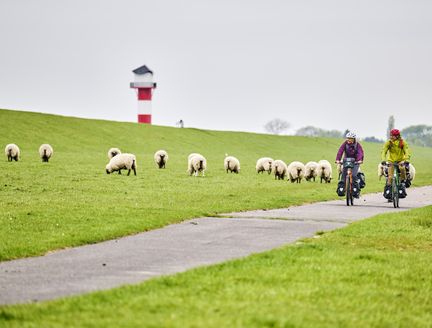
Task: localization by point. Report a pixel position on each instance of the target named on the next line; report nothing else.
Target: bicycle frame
(348, 164)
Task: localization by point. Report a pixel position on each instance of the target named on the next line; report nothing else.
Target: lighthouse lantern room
(144, 85)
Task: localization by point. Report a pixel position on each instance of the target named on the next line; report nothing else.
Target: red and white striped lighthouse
(144, 85)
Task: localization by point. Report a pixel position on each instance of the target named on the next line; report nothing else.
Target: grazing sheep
(232, 164)
(264, 164)
(296, 171)
(113, 152)
(120, 162)
(412, 172)
(311, 170)
(45, 152)
(196, 163)
(279, 169)
(12, 152)
(324, 171)
(160, 158)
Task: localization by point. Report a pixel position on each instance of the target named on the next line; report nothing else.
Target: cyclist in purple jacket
(350, 148)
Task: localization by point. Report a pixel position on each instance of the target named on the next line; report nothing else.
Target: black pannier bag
(341, 188)
(361, 179)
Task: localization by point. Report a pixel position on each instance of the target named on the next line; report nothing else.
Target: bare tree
(276, 126)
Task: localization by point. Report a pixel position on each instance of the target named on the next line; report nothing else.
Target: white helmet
(351, 135)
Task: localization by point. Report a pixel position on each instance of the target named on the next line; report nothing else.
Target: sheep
(311, 170)
(12, 152)
(120, 162)
(231, 164)
(279, 169)
(160, 158)
(296, 171)
(45, 152)
(113, 152)
(412, 172)
(196, 163)
(382, 171)
(324, 171)
(264, 164)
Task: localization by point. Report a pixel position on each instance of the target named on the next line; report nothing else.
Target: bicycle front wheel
(348, 191)
(395, 194)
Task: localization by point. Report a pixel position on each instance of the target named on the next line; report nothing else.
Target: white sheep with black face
(279, 169)
(12, 152)
(311, 171)
(325, 171)
(161, 158)
(122, 162)
(264, 164)
(113, 152)
(45, 152)
(232, 164)
(196, 163)
(296, 171)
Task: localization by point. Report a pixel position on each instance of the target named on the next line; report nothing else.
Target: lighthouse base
(144, 118)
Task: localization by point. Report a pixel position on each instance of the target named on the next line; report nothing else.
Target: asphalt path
(179, 247)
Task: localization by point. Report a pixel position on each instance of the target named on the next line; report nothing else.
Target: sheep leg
(119, 171)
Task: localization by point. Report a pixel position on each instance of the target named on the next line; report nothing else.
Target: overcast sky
(223, 65)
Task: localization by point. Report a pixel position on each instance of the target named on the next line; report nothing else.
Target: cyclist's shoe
(387, 192)
(340, 189)
(356, 190)
(402, 190)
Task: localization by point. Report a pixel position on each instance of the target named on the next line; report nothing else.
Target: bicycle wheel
(395, 194)
(348, 191)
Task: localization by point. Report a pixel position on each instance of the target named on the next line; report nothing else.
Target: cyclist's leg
(387, 188)
(402, 170)
(356, 185)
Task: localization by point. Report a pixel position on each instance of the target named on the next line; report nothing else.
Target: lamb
(12, 152)
(324, 171)
(279, 169)
(264, 164)
(113, 152)
(382, 171)
(311, 170)
(196, 163)
(232, 164)
(120, 162)
(296, 171)
(160, 158)
(45, 152)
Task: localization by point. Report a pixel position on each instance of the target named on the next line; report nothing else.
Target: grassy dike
(71, 201)
(373, 273)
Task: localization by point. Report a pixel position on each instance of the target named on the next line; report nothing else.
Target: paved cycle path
(182, 246)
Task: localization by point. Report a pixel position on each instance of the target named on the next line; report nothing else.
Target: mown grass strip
(373, 273)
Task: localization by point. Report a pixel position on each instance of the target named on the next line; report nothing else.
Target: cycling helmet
(351, 135)
(395, 132)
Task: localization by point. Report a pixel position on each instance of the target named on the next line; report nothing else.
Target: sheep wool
(311, 171)
(12, 152)
(197, 163)
(296, 171)
(161, 158)
(325, 171)
(120, 162)
(232, 164)
(279, 169)
(412, 172)
(45, 152)
(113, 152)
(264, 164)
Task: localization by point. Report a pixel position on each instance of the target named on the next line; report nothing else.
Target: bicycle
(348, 165)
(395, 190)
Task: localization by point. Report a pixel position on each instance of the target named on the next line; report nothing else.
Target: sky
(223, 65)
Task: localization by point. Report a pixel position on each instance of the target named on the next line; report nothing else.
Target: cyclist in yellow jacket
(398, 151)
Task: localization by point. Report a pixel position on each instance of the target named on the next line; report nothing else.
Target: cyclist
(352, 149)
(398, 151)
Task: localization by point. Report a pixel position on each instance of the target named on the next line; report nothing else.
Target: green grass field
(71, 201)
(374, 273)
